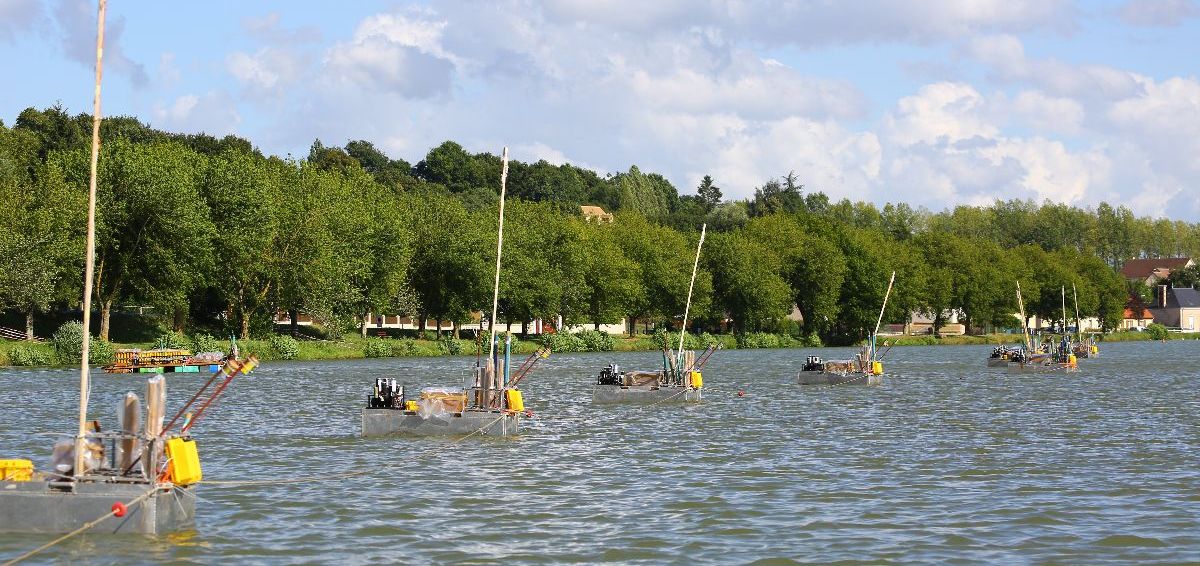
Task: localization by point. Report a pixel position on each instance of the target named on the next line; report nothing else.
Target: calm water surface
(947, 462)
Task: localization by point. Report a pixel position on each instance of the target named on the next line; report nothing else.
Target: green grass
(950, 340)
(353, 346)
(1145, 336)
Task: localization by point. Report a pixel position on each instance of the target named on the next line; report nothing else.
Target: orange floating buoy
(118, 509)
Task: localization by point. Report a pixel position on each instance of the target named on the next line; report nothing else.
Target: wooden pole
(496, 285)
(90, 258)
(687, 306)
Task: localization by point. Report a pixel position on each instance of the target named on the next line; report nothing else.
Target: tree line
(215, 233)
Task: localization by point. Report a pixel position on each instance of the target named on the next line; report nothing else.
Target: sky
(934, 103)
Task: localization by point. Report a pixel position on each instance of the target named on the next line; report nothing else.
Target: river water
(946, 462)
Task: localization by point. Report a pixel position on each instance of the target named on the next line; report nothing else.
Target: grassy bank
(43, 354)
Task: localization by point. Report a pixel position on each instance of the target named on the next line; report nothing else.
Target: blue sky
(935, 102)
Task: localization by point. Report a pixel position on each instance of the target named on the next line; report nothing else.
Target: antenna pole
(687, 307)
(90, 260)
(881, 309)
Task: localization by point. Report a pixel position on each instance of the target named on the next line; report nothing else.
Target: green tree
(746, 284)
(244, 198)
(709, 193)
(41, 245)
(613, 281)
(153, 233)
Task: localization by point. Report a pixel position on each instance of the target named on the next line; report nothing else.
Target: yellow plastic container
(877, 368)
(1095, 349)
(184, 468)
(514, 400)
(410, 405)
(1071, 362)
(696, 380)
(16, 470)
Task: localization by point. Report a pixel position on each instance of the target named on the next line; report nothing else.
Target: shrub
(284, 347)
(563, 342)
(101, 351)
(405, 347)
(26, 356)
(68, 345)
(760, 340)
(452, 346)
(173, 340)
(597, 341)
(1157, 331)
(68, 342)
(205, 343)
(811, 341)
(377, 348)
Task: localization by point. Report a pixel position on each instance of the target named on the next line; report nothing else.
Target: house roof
(1143, 268)
(1130, 314)
(1183, 298)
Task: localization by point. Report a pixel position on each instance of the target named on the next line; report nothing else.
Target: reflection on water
(947, 461)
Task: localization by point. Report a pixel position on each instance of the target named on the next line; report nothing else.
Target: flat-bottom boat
(863, 369)
(670, 384)
(489, 403)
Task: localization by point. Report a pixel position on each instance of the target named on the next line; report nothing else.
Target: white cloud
(77, 24)
(1157, 12)
(816, 22)
(686, 89)
(214, 113)
(1044, 113)
(268, 72)
(19, 16)
(1005, 55)
(394, 53)
(940, 112)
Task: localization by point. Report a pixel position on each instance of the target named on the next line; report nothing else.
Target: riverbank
(43, 354)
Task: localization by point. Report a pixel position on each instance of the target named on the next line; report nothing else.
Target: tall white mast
(499, 247)
(90, 260)
(687, 307)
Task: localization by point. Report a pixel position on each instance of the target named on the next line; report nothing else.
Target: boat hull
(37, 507)
(834, 378)
(382, 422)
(1014, 367)
(610, 394)
(997, 362)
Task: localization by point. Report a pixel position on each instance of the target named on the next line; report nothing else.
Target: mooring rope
(84, 527)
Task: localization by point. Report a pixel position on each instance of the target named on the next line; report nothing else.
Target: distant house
(1136, 315)
(1177, 308)
(595, 213)
(1151, 271)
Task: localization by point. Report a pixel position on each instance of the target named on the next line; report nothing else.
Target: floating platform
(164, 360)
(387, 421)
(605, 394)
(61, 507)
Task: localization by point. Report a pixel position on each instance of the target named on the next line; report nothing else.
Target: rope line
(81, 529)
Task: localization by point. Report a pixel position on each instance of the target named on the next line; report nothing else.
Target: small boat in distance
(866, 368)
(679, 379)
(488, 402)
